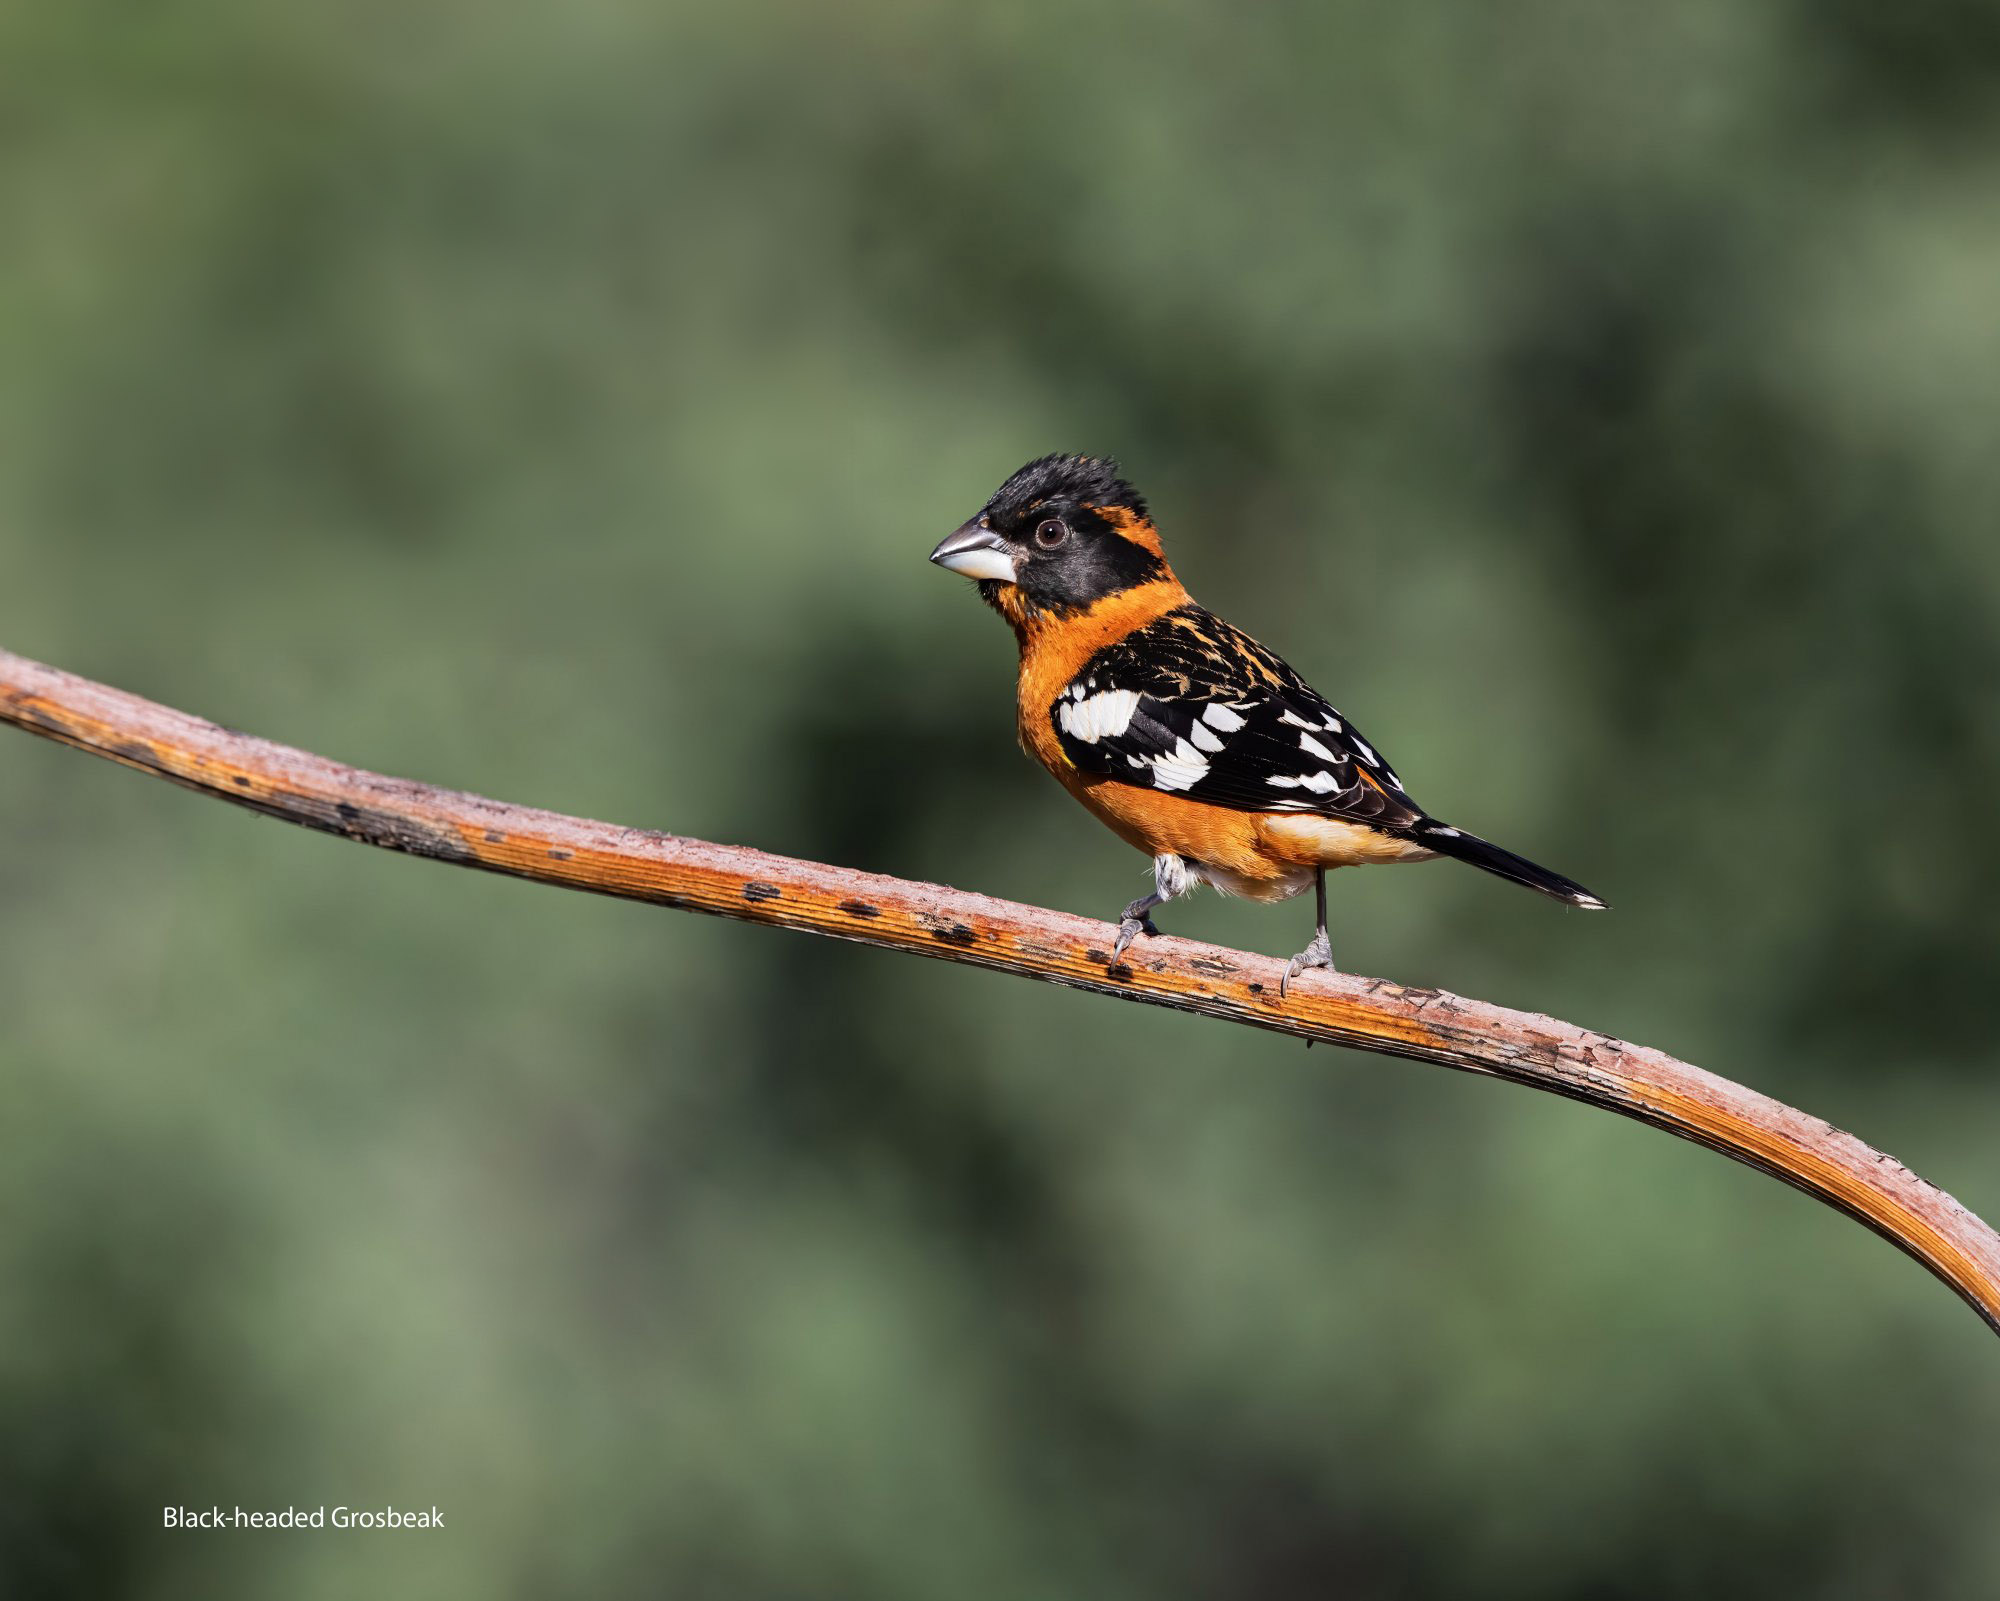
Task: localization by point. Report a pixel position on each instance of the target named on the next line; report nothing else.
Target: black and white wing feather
(1192, 706)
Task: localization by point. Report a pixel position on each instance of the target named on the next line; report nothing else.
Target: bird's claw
(1129, 929)
(1318, 954)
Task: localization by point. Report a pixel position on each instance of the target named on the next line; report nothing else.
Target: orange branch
(930, 920)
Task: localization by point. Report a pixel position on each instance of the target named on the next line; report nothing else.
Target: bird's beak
(975, 551)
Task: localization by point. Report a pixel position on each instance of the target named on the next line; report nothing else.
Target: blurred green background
(1598, 401)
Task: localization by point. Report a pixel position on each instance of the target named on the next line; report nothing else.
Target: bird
(1185, 736)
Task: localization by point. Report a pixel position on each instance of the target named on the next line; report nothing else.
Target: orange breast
(1053, 651)
(1259, 854)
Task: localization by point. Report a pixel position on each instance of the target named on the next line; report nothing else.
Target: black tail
(1471, 848)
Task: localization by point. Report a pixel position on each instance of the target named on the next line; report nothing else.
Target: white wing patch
(1319, 783)
(1104, 715)
(1221, 718)
(1183, 768)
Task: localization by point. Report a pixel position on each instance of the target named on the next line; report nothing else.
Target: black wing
(1192, 706)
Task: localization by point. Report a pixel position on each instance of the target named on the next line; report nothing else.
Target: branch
(930, 920)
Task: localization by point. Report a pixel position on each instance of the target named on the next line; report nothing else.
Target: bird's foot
(1131, 924)
(1318, 954)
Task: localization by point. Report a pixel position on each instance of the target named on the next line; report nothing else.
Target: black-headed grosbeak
(1184, 735)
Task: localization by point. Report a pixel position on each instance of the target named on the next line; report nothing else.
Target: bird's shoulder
(1191, 704)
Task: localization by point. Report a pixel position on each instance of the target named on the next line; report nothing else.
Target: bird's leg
(1170, 878)
(1134, 921)
(1320, 952)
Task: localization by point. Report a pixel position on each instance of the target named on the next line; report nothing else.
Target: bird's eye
(1051, 533)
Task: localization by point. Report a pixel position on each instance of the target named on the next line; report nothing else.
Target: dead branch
(930, 920)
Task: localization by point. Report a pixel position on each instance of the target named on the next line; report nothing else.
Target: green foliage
(1596, 401)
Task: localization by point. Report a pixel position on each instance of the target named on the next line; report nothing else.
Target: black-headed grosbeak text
(1184, 735)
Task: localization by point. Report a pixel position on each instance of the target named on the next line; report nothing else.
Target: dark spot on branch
(1095, 955)
(1120, 972)
(860, 909)
(756, 890)
(558, 855)
(1256, 989)
(495, 837)
(957, 934)
(389, 830)
(240, 781)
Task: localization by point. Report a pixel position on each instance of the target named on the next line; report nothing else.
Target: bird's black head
(1059, 536)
